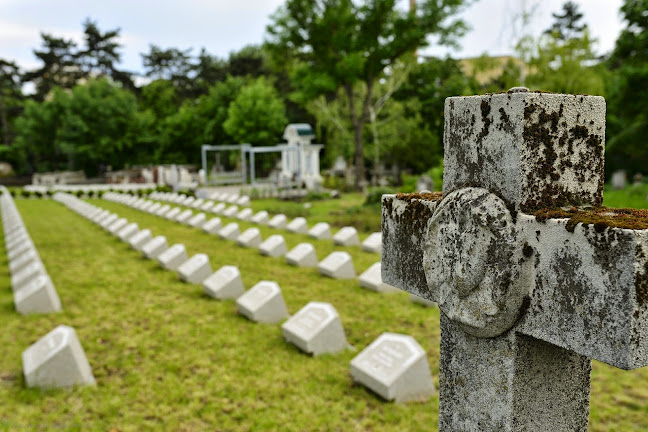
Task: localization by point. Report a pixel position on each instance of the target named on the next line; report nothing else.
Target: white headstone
(372, 280)
(162, 211)
(154, 247)
(263, 303)
(373, 243)
(116, 226)
(230, 211)
(347, 236)
(57, 360)
(140, 239)
(395, 367)
(147, 205)
(320, 231)
(226, 283)
(37, 297)
(171, 258)
(173, 213)
(338, 265)
(219, 208)
(250, 238)
(422, 301)
(261, 218)
(302, 255)
(154, 208)
(619, 179)
(198, 203)
(243, 201)
(277, 221)
(316, 329)
(297, 225)
(212, 226)
(196, 269)
(207, 206)
(26, 275)
(273, 246)
(197, 221)
(244, 214)
(19, 249)
(127, 232)
(188, 201)
(184, 216)
(23, 260)
(229, 231)
(108, 220)
(232, 198)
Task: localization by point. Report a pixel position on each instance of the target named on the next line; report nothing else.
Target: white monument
(273, 246)
(338, 265)
(226, 283)
(316, 329)
(302, 255)
(263, 303)
(196, 269)
(171, 258)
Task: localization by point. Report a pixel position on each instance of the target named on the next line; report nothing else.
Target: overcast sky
(222, 26)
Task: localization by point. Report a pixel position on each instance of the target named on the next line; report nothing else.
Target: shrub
(25, 193)
(38, 194)
(91, 193)
(374, 196)
(100, 193)
(79, 193)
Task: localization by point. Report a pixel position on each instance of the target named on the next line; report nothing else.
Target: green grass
(631, 196)
(167, 357)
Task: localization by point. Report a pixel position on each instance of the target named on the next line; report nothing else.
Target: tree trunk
(358, 123)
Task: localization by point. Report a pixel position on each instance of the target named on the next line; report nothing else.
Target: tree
(173, 65)
(10, 98)
(567, 24)
(336, 44)
(257, 115)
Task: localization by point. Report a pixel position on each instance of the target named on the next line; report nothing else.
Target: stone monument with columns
(533, 276)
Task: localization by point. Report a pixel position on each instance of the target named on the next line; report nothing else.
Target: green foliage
(25, 193)
(374, 196)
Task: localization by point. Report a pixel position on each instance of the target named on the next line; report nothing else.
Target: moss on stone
(600, 217)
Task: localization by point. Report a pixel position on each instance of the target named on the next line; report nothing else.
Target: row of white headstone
(394, 366)
(33, 290)
(337, 265)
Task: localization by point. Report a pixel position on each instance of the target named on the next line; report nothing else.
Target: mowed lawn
(167, 357)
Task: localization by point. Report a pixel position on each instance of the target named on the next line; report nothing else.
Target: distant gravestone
(19, 249)
(347, 236)
(395, 367)
(277, 221)
(140, 239)
(273, 246)
(619, 180)
(316, 329)
(154, 208)
(198, 203)
(263, 303)
(302, 255)
(218, 208)
(243, 201)
(230, 211)
(37, 297)
(260, 218)
(23, 260)
(207, 206)
(244, 214)
(107, 221)
(173, 257)
(424, 183)
(173, 213)
(154, 247)
(320, 231)
(212, 226)
(422, 301)
(116, 226)
(127, 232)
(26, 275)
(197, 221)
(226, 283)
(196, 269)
(100, 216)
(373, 243)
(232, 198)
(57, 360)
(188, 201)
(147, 205)
(184, 217)
(162, 211)
(372, 280)
(229, 231)
(250, 238)
(297, 225)
(338, 265)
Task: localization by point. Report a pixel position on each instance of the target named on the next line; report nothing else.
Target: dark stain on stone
(641, 278)
(485, 111)
(527, 250)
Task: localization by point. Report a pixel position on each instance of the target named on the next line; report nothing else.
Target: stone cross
(533, 276)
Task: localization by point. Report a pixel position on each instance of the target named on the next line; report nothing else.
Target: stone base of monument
(244, 214)
(320, 231)
(250, 238)
(197, 221)
(316, 329)
(212, 226)
(372, 280)
(298, 226)
(273, 246)
(373, 243)
(140, 239)
(229, 231)
(263, 303)
(423, 302)
(154, 247)
(395, 367)
(347, 236)
(226, 283)
(173, 213)
(26, 275)
(260, 218)
(184, 217)
(338, 265)
(230, 211)
(127, 232)
(57, 360)
(37, 297)
(196, 269)
(278, 221)
(302, 255)
(173, 257)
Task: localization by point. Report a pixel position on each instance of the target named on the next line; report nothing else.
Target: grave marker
(338, 265)
(302, 255)
(197, 221)
(229, 231)
(108, 220)
(372, 280)
(196, 269)
(263, 303)
(173, 257)
(212, 226)
(162, 211)
(154, 247)
(184, 216)
(277, 221)
(226, 283)
(260, 218)
(316, 329)
(250, 238)
(373, 243)
(23, 260)
(244, 214)
(347, 236)
(320, 231)
(127, 232)
(297, 225)
(173, 213)
(138, 240)
(37, 297)
(207, 206)
(26, 275)
(273, 246)
(117, 225)
(218, 208)
(230, 211)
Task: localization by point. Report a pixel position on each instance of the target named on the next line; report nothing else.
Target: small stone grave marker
(162, 211)
(173, 213)
(117, 225)
(108, 220)
(243, 201)
(188, 201)
(302, 255)
(395, 367)
(212, 226)
(184, 216)
(23, 260)
(19, 249)
(422, 301)
(273, 246)
(154, 247)
(316, 329)
(100, 216)
(230, 211)
(297, 225)
(338, 265)
(229, 231)
(154, 208)
(127, 232)
(373, 243)
(260, 218)
(198, 220)
(37, 297)
(250, 238)
(277, 221)
(347, 236)
(218, 208)
(320, 231)
(207, 206)
(139, 239)
(263, 303)
(173, 257)
(232, 198)
(26, 275)
(147, 205)
(57, 360)
(372, 280)
(244, 214)
(198, 203)
(226, 283)
(196, 269)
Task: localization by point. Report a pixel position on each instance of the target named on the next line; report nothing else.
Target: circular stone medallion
(473, 258)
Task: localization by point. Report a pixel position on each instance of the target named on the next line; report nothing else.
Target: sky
(223, 26)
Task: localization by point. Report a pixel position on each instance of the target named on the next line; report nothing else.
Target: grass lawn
(167, 357)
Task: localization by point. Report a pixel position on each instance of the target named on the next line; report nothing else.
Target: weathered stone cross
(528, 295)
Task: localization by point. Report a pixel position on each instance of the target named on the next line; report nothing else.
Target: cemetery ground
(167, 356)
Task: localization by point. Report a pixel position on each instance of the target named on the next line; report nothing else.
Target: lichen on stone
(600, 217)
